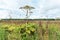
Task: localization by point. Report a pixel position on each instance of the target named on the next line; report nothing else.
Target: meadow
(33, 30)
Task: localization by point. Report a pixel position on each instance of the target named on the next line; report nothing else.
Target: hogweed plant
(21, 32)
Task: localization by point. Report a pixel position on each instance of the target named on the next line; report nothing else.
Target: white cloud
(3, 14)
(9, 4)
(34, 17)
(49, 7)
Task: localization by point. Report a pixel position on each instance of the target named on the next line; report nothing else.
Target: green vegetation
(18, 32)
(30, 31)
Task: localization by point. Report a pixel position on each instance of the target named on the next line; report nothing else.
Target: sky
(43, 9)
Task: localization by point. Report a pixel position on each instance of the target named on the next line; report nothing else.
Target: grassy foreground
(30, 31)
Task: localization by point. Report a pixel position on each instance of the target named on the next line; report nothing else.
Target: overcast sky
(43, 8)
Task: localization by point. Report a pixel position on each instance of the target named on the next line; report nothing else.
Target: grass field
(38, 30)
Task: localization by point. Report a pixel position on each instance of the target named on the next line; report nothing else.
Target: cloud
(34, 17)
(10, 4)
(49, 7)
(2, 14)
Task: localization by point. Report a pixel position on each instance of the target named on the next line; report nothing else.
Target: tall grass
(42, 31)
